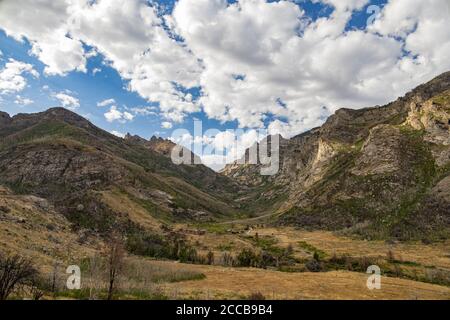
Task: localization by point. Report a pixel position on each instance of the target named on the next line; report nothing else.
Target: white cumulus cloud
(258, 62)
(166, 125)
(106, 102)
(264, 58)
(114, 114)
(118, 134)
(12, 77)
(67, 101)
(47, 25)
(23, 101)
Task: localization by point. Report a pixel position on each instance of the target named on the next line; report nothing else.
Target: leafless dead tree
(95, 279)
(36, 289)
(116, 254)
(15, 271)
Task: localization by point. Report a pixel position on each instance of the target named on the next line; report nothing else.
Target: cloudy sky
(150, 67)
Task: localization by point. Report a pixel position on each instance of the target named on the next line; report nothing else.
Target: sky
(264, 67)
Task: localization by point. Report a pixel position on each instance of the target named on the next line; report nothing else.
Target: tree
(247, 258)
(227, 259)
(95, 272)
(115, 255)
(390, 256)
(15, 271)
(314, 266)
(38, 287)
(290, 250)
(316, 256)
(256, 296)
(210, 257)
(53, 280)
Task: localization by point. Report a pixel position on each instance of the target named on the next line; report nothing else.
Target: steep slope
(195, 173)
(62, 157)
(379, 172)
(30, 226)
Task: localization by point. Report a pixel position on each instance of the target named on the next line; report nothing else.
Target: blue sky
(92, 88)
(278, 69)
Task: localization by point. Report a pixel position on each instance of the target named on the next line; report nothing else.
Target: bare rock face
(384, 168)
(350, 126)
(433, 117)
(4, 119)
(380, 152)
(160, 145)
(442, 189)
(326, 151)
(48, 167)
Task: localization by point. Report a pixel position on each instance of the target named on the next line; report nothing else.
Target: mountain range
(380, 172)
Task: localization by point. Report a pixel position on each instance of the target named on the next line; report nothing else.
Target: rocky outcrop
(134, 139)
(380, 152)
(4, 118)
(157, 144)
(432, 117)
(160, 145)
(48, 167)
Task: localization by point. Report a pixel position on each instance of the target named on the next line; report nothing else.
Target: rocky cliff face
(374, 171)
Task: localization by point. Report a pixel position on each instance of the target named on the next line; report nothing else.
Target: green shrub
(256, 296)
(314, 266)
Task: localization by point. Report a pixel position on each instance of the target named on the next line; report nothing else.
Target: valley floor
(29, 226)
(412, 258)
(237, 283)
(436, 254)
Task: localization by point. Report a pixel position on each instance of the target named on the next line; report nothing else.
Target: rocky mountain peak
(157, 144)
(4, 118)
(160, 145)
(54, 114)
(155, 138)
(135, 139)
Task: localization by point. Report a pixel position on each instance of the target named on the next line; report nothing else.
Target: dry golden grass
(40, 233)
(237, 283)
